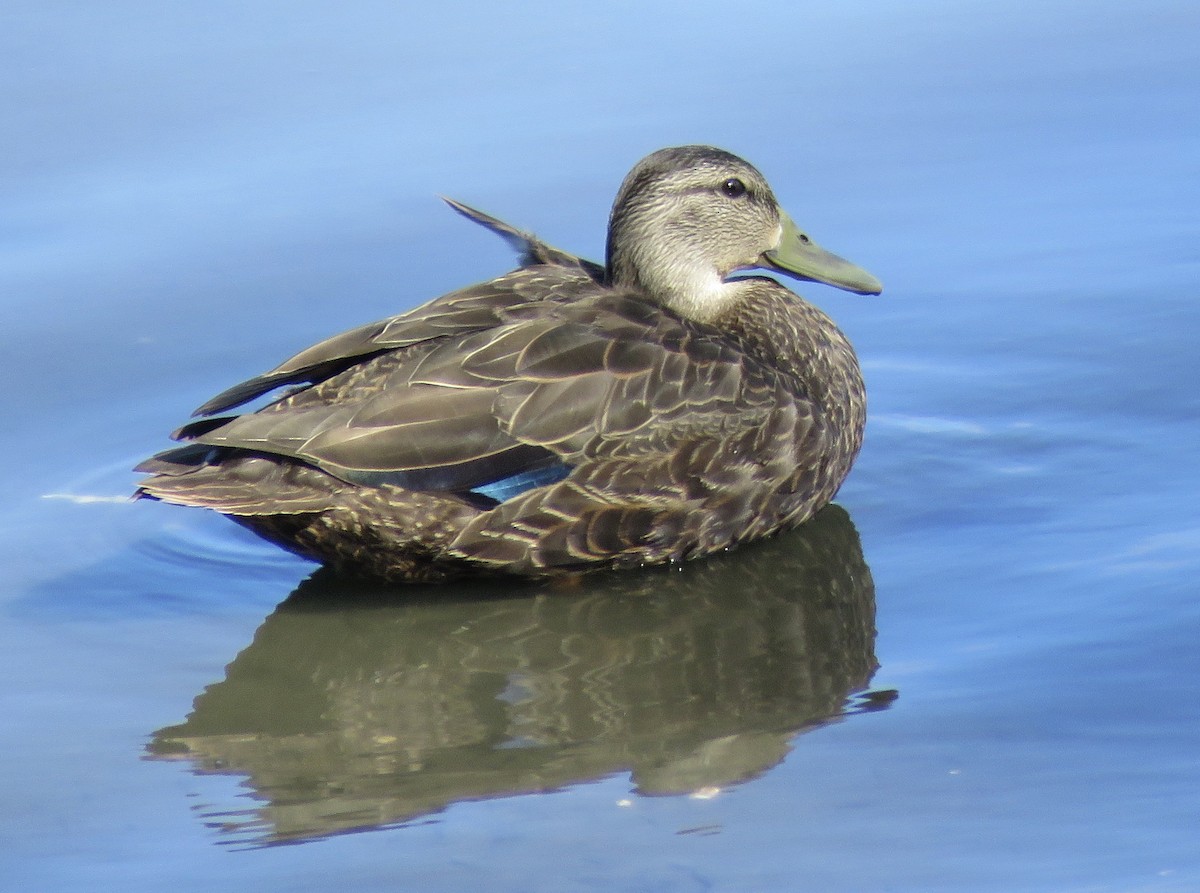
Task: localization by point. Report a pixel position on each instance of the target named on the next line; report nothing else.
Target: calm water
(982, 674)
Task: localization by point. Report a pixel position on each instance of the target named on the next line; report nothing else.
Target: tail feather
(241, 484)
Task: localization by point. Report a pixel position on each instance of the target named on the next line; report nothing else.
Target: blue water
(190, 193)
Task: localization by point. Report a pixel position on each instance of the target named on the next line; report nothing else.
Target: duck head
(687, 219)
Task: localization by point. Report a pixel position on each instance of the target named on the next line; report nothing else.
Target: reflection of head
(354, 707)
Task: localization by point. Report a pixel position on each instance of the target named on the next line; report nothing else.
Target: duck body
(562, 417)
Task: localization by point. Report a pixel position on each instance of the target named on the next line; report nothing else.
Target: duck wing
(531, 250)
(472, 309)
(609, 376)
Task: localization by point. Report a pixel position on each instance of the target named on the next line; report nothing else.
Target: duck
(568, 416)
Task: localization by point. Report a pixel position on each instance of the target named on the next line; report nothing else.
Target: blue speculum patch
(516, 484)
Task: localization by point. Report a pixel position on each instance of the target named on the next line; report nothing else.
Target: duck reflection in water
(351, 710)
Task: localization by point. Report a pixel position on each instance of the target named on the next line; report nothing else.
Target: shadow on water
(353, 709)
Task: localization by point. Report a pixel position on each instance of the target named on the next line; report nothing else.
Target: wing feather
(578, 381)
(478, 308)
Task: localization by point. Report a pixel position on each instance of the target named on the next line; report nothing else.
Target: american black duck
(564, 416)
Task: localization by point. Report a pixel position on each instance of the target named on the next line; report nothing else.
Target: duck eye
(733, 188)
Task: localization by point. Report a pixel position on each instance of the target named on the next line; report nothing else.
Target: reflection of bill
(354, 708)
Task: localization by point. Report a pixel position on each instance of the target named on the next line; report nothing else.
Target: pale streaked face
(685, 219)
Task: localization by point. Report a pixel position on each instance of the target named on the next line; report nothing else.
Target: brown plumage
(565, 416)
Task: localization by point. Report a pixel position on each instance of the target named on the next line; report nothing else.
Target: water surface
(979, 674)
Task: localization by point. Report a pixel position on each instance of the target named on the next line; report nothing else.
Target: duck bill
(798, 256)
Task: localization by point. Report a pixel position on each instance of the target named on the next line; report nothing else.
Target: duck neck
(667, 263)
